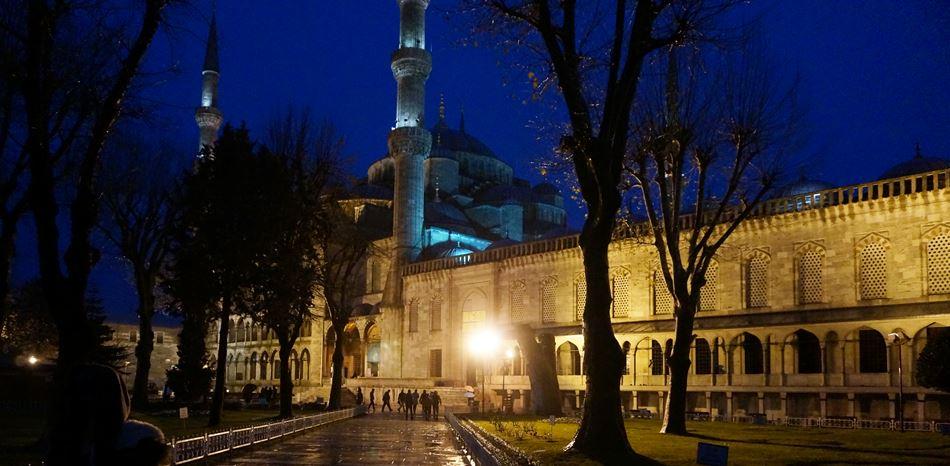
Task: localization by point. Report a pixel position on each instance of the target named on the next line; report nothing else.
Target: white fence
(192, 449)
(846, 423)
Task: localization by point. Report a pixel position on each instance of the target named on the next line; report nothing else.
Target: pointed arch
(620, 292)
(937, 257)
(703, 357)
(810, 265)
(517, 304)
(549, 299)
(568, 359)
(756, 275)
(580, 295)
(709, 293)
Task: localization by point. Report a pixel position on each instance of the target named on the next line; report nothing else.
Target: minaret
(207, 115)
(409, 141)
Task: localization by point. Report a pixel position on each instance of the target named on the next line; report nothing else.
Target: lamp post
(509, 355)
(483, 343)
(899, 341)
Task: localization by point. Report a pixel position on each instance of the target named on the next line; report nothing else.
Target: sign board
(183, 413)
(711, 454)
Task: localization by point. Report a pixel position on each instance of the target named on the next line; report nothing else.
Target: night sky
(874, 81)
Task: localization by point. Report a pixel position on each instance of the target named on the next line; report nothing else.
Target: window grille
(620, 288)
(662, 299)
(938, 264)
(703, 357)
(809, 278)
(414, 315)
(518, 292)
(709, 293)
(873, 268)
(435, 314)
(580, 297)
(548, 303)
(757, 282)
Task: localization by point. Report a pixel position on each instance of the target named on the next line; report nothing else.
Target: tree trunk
(286, 381)
(674, 417)
(601, 435)
(7, 249)
(217, 398)
(542, 371)
(336, 374)
(145, 345)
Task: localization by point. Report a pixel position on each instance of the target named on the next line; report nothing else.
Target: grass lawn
(19, 432)
(753, 445)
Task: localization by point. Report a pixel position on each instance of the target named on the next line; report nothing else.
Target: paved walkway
(370, 440)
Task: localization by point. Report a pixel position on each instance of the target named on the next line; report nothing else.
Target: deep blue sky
(874, 81)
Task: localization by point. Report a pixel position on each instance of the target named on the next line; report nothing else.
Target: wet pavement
(374, 439)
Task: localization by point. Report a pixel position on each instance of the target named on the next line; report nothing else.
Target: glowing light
(32, 360)
(484, 342)
(510, 353)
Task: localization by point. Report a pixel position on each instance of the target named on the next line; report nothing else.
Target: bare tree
(594, 53)
(345, 247)
(301, 161)
(706, 150)
(136, 191)
(52, 28)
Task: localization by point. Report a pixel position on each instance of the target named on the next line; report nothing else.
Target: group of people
(408, 400)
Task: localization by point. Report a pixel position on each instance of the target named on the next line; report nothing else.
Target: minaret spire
(441, 108)
(409, 141)
(207, 115)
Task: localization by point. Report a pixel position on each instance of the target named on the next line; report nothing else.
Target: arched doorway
(352, 352)
(373, 338)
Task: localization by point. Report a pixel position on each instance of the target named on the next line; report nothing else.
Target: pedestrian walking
(426, 405)
(401, 401)
(359, 396)
(386, 402)
(372, 400)
(436, 402)
(413, 402)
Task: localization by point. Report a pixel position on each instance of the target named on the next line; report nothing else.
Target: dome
(446, 249)
(447, 139)
(502, 243)
(918, 164)
(546, 189)
(371, 191)
(804, 186)
(446, 215)
(504, 194)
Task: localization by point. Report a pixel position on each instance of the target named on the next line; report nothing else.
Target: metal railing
(873, 424)
(204, 446)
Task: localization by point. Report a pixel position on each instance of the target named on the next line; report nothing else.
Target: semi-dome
(444, 214)
(804, 186)
(446, 249)
(545, 189)
(918, 164)
(448, 139)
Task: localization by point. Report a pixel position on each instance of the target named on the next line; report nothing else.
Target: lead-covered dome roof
(918, 164)
(448, 139)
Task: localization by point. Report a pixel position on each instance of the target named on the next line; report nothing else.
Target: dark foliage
(933, 364)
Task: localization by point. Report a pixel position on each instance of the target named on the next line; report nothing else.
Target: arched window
(414, 315)
(709, 293)
(809, 352)
(872, 266)
(938, 264)
(751, 354)
(757, 281)
(703, 357)
(255, 335)
(662, 299)
(872, 351)
(810, 269)
(568, 359)
(275, 370)
(620, 291)
(294, 365)
(548, 299)
(518, 295)
(435, 314)
(239, 365)
(241, 333)
(264, 366)
(306, 328)
(626, 358)
(656, 358)
(253, 364)
(232, 331)
(517, 363)
(305, 365)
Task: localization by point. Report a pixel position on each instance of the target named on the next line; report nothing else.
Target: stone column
(729, 405)
(892, 402)
(783, 410)
(823, 404)
(761, 402)
(709, 403)
(852, 410)
(921, 407)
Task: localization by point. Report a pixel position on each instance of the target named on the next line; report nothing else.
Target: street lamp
(484, 343)
(509, 355)
(32, 360)
(898, 340)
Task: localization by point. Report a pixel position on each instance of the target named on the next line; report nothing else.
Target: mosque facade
(816, 307)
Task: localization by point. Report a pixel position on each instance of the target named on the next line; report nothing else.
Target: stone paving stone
(375, 439)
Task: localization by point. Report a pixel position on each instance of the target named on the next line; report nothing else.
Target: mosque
(816, 307)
